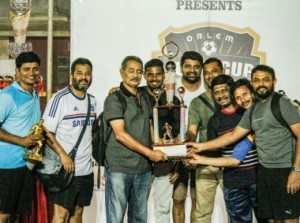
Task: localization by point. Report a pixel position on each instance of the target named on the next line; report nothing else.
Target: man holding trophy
(19, 111)
(167, 131)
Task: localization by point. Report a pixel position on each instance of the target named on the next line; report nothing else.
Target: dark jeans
(240, 203)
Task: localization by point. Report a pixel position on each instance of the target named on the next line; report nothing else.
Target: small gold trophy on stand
(34, 153)
(172, 146)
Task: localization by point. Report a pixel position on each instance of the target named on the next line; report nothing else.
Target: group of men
(218, 111)
(19, 111)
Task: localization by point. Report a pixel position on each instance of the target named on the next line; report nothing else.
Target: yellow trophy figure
(33, 153)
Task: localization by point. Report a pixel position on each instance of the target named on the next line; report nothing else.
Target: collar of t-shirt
(129, 94)
(18, 86)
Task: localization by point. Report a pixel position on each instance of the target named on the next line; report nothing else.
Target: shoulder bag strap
(207, 104)
(75, 148)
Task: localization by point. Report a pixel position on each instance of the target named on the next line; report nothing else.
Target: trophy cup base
(33, 157)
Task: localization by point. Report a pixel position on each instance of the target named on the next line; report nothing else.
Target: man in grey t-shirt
(128, 154)
(279, 155)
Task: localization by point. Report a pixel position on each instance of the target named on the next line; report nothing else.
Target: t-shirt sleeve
(113, 108)
(241, 149)
(52, 114)
(7, 105)
(193, 114)
(245, 121)
(289, 111)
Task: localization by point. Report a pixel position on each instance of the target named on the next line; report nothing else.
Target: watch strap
(296, 169)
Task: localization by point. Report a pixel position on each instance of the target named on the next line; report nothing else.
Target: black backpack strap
(275, 108)
(212, 108)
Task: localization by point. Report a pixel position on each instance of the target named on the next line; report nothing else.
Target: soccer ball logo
(209, 47)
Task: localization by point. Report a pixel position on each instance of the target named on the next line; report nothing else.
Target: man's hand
(113, 90)
(173, 177)
(157, 155)
(67, 162)
(293, 183)
(30, 140)
(194, 147)
(195, 159)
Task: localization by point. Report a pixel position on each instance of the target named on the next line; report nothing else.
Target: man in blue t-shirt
(19, 111)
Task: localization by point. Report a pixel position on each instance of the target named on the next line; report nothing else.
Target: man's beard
(156, 87)
(266, 94)
(229, 102)
(78, 87)
(192, 81)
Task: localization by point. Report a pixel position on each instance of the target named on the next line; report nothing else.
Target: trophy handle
(170, 57)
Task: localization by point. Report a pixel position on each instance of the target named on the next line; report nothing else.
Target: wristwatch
(296, 169)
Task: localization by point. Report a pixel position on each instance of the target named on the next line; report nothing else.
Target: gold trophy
(167, 137)
(34, 153)
(172, 146)
(181, 92)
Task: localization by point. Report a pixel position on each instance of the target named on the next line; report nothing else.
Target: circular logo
(209, 47)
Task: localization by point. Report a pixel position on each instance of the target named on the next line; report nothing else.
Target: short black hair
(155, 63)
(222, 79)
(130, 58)
(81, 61)
(27, 57)
(241, 82)
(192, 55)
(263, 68)
(212, 60)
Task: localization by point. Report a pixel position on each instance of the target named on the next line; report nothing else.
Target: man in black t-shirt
(165, 173)
(240, 189)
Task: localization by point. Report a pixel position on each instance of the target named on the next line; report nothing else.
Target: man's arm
(26, 141)
(224, 140)
(293, 183)
(214, 161)
(191, 133)
(66, 160)
(125, 138)
(238, 155)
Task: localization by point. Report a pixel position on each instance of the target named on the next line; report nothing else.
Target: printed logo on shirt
(76, 123)
(236, 47)
(75, 109)
(92, 107)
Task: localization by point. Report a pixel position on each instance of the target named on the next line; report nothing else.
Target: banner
(242, 33)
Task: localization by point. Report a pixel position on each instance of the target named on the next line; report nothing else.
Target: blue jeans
(240, 203)
(127, 189)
